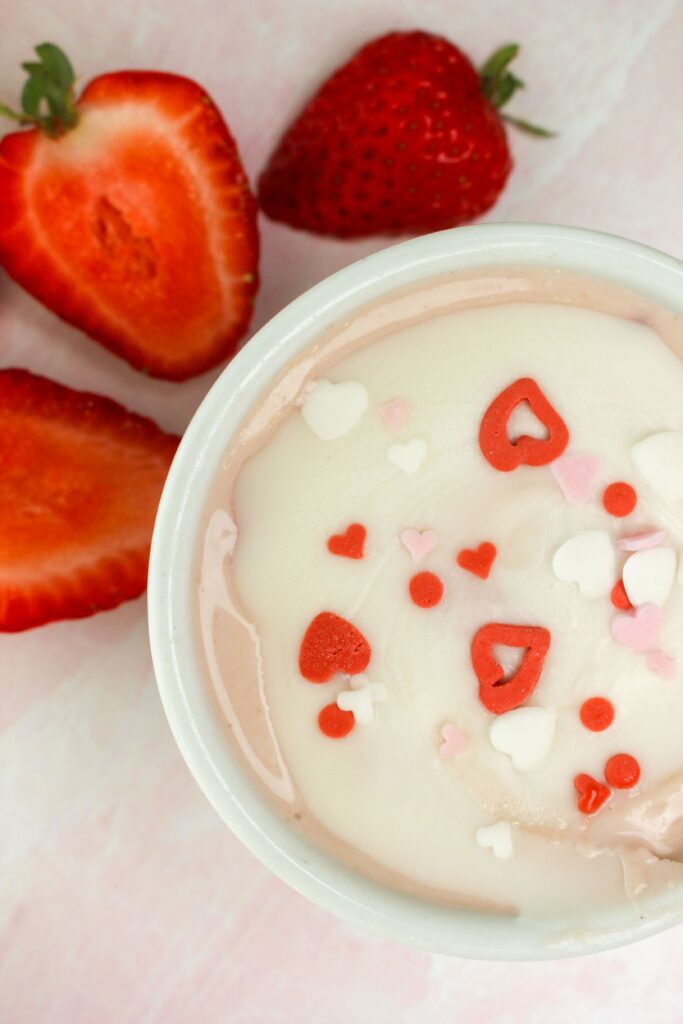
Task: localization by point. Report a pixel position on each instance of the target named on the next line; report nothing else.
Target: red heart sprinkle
(330, 645)
(592, 794)
(597, 714)
(349, 544)
(619, 597)
(334, 722)
(478, 560)
(619, 499)
(426, 589)
(506, 455)
(497, 693)
(622, 771)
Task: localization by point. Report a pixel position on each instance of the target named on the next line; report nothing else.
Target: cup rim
(185, 698)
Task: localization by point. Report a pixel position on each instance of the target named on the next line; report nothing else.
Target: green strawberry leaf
(499, 84)
(47, 96)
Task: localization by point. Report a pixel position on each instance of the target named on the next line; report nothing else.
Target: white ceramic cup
(172, 589)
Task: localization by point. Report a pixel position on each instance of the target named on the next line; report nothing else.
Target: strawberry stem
(499, 84)
(47, 97)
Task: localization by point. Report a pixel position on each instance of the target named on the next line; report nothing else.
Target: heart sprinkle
(497, 838)
(592, 794)
(334, 722)
(479, 560)
(619, 499)
(622, 771)
(349, 544)
(642, 541)
(454, 741)
(526, 734)
(506, 455)
(659, 459)
(639, 629)
(649, 576)
(409, 456)
(597, 714)
(332, 410)
(496, 693)
(575, 474)
(619, 597)
(361, 699)
(662, 664)
(331, 645)
(419, 544)
(587, 559)
(425, 589)
(394, 414)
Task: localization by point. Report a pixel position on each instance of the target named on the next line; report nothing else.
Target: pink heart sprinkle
(642, 541)
(575, 475)
(662, 664)
(419, 544)
(394, 414)
(638, 630)
(454, 740)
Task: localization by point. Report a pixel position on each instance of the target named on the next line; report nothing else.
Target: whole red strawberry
(127, 213)
(404, 138)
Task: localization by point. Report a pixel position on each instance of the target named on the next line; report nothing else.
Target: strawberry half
(80, 478)
(127, 213)
(404, 138)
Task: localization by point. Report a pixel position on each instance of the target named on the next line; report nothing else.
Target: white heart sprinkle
(589, 560)
(361, 698)
(649, 575)
(332, 410)
(659, 458)
(526, 734)
(497, 838)
(409, 456)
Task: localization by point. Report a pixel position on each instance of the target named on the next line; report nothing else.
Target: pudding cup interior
(172, 588)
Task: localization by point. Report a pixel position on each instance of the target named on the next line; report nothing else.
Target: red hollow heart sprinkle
(592, 794)
(334, 722)
(506, 455)
(425, 589)
(497, 693)
(597, 714)
(479, 560)
(349, 544)
(619, 597)
(619, 499)
(331, 645)
(622, 771)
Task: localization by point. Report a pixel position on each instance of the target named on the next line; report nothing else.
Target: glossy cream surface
(384, 797)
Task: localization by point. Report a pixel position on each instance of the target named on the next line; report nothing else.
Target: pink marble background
(123, 899)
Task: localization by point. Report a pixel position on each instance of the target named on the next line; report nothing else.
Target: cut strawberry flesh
(81, 479)
(137, 226)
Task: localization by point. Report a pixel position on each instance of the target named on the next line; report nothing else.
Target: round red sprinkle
(619, 597)
(622, 771)
(619, 499)
(597, 713)
(426, 589)
(334, 722)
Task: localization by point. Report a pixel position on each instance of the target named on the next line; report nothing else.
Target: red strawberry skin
(80, 478)
(399, 140)
(137, 226)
